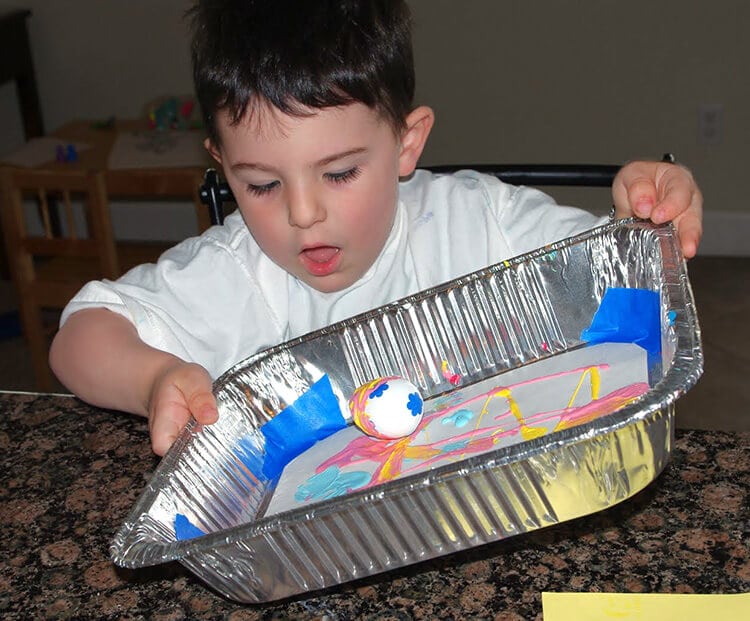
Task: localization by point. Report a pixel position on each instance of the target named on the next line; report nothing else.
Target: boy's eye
(260, 190)
(344, 176)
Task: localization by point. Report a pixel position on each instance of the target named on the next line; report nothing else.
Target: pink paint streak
(390, 455)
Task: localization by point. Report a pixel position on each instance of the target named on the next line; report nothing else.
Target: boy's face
(317, 192)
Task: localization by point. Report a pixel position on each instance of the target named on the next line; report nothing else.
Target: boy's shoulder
(462, 181)
(463, 189)
(465, 177)
(231, 236)
(227, 247)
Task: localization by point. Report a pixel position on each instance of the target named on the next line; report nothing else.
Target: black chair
(214, 192)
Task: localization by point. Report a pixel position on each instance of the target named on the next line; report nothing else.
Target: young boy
(308, 109)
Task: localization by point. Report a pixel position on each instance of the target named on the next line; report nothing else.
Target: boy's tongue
(321, 254)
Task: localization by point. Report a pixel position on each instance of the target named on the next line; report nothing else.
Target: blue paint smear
(249, 454)
(459, 419)
(456, 446)
(331, 483)
(184, 529)
(313, 416)
(627, 316)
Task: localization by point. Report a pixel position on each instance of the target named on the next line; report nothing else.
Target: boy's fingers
(183, 391)
(690, 229)
(672, 204)
(690, 235)
(642, 197)
(634, 193)
(682, 202)
(164, 431)
(202, 406)
(199, 398)
(677, 194)
(661, 192)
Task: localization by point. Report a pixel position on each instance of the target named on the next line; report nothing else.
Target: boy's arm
(661, 192)
(99, 356)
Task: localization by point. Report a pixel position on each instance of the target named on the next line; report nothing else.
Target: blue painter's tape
(184, 529)
(627, 316)
(249, 454)
(313, 416)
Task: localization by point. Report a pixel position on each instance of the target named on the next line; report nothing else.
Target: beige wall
(95, 58)
(593, 81)
(511, 81)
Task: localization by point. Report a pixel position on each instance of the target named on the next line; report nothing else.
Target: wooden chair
(48, 268)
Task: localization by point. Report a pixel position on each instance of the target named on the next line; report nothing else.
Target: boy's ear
(211, 148)
(413, 139)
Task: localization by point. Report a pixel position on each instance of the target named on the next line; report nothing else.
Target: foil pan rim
(682, 375)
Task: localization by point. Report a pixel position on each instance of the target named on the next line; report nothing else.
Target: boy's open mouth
(320, 260)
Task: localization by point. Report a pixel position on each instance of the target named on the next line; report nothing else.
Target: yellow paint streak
(527, 433)
(593, 373)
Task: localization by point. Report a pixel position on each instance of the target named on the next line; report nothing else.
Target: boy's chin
(332, 283)
(329, 284)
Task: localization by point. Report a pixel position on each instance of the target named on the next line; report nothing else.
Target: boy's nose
(305, 210)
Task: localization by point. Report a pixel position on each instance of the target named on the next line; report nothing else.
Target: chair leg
(33, 328)
(43, 376)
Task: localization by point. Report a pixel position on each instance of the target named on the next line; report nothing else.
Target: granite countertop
(71, 473)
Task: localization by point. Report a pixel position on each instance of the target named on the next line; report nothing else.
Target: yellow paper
(644, 607)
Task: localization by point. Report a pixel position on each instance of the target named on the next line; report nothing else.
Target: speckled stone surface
(71, 473)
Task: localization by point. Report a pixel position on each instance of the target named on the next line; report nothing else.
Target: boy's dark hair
(301, 53)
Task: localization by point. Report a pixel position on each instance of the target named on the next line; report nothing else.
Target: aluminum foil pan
(506, 316)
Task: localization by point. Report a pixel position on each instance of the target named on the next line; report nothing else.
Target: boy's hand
(661, 192)
(182, 390)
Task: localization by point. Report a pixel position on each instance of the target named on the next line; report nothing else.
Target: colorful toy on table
(173, 113)
(66, 153)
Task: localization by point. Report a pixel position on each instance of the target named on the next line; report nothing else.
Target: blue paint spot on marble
(415, 404)
(378, 392)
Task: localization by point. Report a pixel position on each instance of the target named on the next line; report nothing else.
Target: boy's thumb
(202, 405)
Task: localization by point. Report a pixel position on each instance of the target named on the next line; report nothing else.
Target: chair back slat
(44, 211)
(61, 247)
(58, 195)
(69, 219)
(50, 256)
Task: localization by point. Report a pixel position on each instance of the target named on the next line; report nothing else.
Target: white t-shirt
(217, 299)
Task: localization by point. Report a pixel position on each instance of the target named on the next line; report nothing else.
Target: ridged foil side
(445, 514)
(483, 324)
